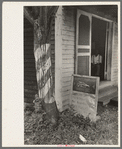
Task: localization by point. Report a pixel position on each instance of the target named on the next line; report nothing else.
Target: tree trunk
(42, 53)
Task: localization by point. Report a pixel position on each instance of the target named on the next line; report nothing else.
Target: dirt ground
(105, 132)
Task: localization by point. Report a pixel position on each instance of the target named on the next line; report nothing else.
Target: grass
(40, 131)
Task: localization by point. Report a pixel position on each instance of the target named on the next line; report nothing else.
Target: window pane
(84, 30)
(83, 65)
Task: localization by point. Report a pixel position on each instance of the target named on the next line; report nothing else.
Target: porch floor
(107, 91)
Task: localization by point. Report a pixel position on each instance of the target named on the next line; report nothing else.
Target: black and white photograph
(66, 57)
(59, 42)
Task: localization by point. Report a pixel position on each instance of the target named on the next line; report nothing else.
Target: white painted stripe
(45, 89)
(46, 66)
(42, 71)
(40, 51)
(39, 74)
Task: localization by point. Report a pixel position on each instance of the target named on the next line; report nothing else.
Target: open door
(83, 43)
(108, 51)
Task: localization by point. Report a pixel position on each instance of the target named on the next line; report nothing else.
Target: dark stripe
(83, 50)
(42, 60)
(49, 93)
(44, 79)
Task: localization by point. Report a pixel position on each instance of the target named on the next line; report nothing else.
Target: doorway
(98, 47)
(94, 36)
(101, 48)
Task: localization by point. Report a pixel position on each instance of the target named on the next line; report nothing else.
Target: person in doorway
(96, 60)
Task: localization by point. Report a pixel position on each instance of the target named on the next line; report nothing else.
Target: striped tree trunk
(42, 53)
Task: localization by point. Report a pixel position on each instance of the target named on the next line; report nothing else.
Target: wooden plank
(71, 56)
(66, 79)
(66, 84)
(68, 12)
(70, 33)
(26, 78)
(114, 75)
(65, 61)
(28, 47)
(67, 21)
(67, 52)
(68, 28)
(52, 42)
(27, 39)
(68, 24)
(29, 66)
(69, 38)
(68, 70)
(65, 93)
(32, 74)
(52, 38)
(68, 65)
(31, 87)
(58, 57)
(70, 47)
(67, 74)
(29, 56)
(109, 55)
(65, 102)
(68, 42)
(30, 82)
(65, 98)
(66, 89)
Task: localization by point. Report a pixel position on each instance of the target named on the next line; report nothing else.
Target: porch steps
(106, 93)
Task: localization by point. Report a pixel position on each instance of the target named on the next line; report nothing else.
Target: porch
(107, 91)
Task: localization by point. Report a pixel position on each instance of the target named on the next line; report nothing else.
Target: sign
(84, 96)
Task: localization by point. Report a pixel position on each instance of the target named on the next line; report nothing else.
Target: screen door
(83, 43)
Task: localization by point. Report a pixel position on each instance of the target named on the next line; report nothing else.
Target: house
(78, 33)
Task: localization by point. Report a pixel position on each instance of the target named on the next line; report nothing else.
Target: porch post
(58, 58)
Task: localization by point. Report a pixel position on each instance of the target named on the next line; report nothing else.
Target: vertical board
(30, 83)
(68, 53)
(114, 75)
(84, 96)
(58, 58)
(109, 54)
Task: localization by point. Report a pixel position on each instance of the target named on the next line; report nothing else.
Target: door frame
(90, 15)
(79, 12)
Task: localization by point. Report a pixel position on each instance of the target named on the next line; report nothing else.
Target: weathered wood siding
(68, 53)
(67, 42)
(114, 69)
(30, 83)
(52, 42)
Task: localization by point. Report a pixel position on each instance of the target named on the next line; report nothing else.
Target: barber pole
(43, 72)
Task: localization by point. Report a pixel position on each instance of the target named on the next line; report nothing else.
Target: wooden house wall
(114, 69)
(52, 42)
(68, 53)
(30, 83)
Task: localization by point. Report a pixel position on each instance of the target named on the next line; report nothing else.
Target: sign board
(84, 96)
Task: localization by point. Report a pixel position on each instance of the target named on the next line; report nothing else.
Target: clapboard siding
(30, 83)
(114, 73)
(52, 41)
(66, 40)
(68, 49)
